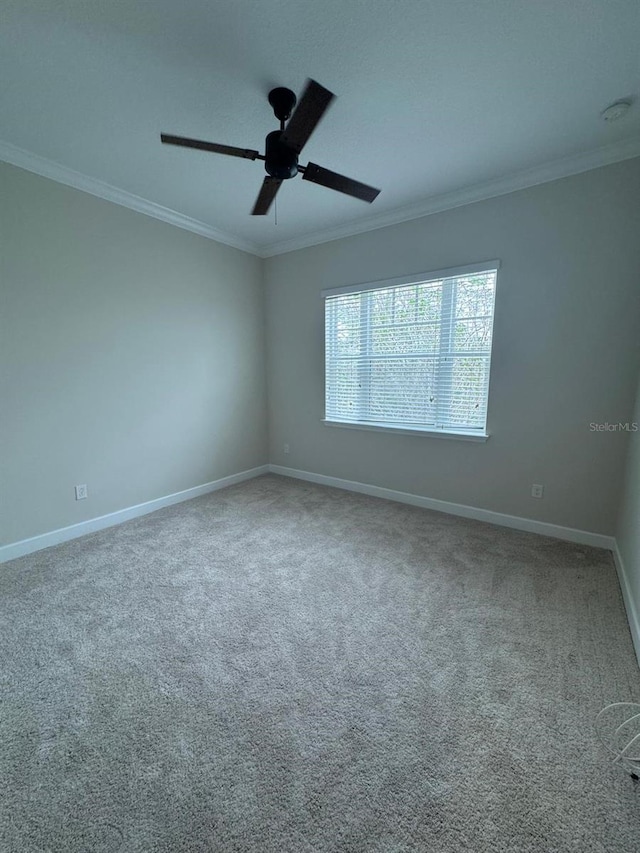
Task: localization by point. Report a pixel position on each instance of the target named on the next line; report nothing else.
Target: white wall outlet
(81, 492)
(537, 491)
(286, 448)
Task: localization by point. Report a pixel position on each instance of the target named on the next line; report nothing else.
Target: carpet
(282, 666)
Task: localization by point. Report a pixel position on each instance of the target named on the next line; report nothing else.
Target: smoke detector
(616, 111)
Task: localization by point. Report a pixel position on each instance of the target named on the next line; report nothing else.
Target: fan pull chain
(275, 210)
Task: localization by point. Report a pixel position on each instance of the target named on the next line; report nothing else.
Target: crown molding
(551, 171)
(63, 175)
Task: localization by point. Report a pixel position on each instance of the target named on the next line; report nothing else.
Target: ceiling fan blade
(231, 150)
(268, 190)
(334, 181)
(311, 107)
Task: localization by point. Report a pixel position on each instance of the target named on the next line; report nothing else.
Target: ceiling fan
(283, 146)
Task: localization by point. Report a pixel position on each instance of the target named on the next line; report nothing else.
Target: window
(412, 353)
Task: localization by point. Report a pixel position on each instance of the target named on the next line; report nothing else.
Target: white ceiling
(434, 96)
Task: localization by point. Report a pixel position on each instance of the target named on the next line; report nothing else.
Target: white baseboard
(632, 612)
(570, 534)
(55, 537)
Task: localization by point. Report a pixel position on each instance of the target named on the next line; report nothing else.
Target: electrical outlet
(81, 492)
(286, 448)
(537, 490)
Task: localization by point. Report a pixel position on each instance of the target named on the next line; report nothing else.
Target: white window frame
(418, 278)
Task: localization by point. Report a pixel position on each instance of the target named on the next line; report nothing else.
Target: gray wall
(628, 533)
(566, 353)
(132, 357)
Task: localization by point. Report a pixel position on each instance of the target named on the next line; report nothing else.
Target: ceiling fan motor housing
(280, 160)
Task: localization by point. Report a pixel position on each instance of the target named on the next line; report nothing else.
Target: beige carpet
(285, 667)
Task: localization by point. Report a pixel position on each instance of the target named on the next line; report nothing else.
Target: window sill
(464, 435)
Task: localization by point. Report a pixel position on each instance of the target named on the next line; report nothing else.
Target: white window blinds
(412, 355)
